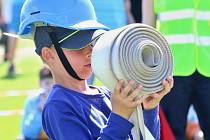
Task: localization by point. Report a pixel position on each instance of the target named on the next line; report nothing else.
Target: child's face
(46, 84)
(80, 61)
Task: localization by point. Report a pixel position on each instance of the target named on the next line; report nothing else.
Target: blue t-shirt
(31, 122)
(70, 115)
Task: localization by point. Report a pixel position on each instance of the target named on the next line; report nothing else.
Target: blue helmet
(69, 14)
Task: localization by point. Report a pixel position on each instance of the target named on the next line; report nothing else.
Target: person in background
(136, 10)
(185, 24)
(31, 122)
(129, 12)
(5, 19)
(13, 28)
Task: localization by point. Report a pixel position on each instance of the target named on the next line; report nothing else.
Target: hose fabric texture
(138, 52)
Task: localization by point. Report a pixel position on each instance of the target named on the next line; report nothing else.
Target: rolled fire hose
(138, 52)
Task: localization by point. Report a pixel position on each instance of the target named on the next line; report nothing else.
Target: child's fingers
(118, 87)
(134, 94)
(127, 88)
(167, 87)
(138, 101)
(171, 81)
(155, 97)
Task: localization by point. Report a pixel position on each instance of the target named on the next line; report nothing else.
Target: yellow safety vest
(186, 26)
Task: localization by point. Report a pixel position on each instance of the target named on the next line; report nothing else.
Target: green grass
(12, 102)
(27, 77)
(9, 127)
(28, 65)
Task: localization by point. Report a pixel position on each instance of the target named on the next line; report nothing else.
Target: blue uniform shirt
(70, 115)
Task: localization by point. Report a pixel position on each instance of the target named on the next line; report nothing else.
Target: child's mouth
(88, 65)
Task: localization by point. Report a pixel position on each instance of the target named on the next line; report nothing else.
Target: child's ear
(47, 54)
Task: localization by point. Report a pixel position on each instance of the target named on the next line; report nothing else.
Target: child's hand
(123, 99)
(153, 100)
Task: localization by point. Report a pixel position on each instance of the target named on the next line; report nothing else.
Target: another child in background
(31, 121)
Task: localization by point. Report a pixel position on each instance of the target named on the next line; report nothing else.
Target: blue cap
(68, 39)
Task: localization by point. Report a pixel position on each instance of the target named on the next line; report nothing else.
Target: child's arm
(151, 108)
(60, 124)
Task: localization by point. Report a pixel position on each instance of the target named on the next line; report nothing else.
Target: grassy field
(9, 128)
(14, 91)
(28, 65)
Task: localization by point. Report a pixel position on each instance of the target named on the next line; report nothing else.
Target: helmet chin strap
(62, 57)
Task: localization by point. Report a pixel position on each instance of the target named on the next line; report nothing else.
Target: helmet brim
(77, 39)
(29, 29)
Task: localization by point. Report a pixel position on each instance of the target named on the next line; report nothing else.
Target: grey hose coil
(135, 51)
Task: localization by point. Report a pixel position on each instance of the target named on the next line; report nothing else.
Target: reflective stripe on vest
(186, 25)
(188, 38)
(183, 14)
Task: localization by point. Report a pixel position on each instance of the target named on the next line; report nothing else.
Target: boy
(64, 33)
(31, 123)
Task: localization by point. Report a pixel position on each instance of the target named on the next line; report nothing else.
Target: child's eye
(91, 45)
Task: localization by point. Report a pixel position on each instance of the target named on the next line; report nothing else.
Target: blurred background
(19, 71)
(14, 90)
(20, 67)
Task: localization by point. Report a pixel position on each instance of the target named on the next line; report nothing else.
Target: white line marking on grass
(15, 93)
(20, 93)
(5, 113)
